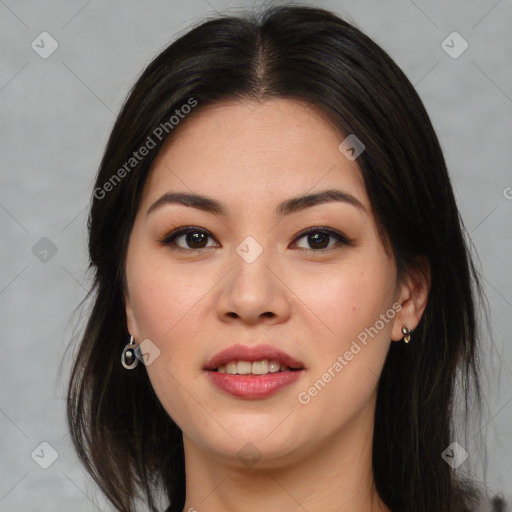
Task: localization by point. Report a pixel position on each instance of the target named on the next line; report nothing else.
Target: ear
(412, 296)
(131, 324)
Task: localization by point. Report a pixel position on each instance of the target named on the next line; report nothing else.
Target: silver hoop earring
(128, 358)
(407, 334)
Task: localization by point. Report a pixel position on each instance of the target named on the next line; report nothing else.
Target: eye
(194, 237)
(318, 238)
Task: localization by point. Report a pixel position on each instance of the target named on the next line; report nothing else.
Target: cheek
(165, 297)
(167, 305)
(349, 352)
(342, 302)
(352, 343)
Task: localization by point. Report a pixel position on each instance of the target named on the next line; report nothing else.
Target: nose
(254, 291)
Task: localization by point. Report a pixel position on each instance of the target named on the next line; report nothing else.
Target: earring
(128, 358)
(407, 334)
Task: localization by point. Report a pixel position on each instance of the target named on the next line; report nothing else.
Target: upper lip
(251, 354)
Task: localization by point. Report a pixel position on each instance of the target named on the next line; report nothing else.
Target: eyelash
(169, 239)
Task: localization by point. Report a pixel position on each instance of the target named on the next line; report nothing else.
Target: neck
(335, 475)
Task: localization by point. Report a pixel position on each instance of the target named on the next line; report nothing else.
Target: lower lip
(254, 386)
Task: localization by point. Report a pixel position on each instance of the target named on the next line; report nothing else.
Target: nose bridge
(254, 234)
(251, 289)
(250, 250)
(250, 262)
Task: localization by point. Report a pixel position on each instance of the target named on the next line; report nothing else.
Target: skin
(251, 156)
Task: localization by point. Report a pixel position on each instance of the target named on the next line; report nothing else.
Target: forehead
(254, 151)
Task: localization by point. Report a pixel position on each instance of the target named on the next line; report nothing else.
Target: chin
(261, 440)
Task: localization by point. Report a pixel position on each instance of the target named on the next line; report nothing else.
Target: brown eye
(319, 238)
(191, 237)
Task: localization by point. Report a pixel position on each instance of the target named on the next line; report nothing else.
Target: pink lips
(254, 353)
(253, 386)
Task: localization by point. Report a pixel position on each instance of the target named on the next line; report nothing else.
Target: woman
(280, 264)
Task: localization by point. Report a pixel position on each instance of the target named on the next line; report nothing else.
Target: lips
(251, 354)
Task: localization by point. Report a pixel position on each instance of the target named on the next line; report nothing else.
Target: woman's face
(253, 276)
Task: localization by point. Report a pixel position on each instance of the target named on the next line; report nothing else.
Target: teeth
(274, 366)
(231, 368)
(256, 368)
(243, 367)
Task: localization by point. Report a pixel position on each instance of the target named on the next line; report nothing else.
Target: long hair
(122, 434)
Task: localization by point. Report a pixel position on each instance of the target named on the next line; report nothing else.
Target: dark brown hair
(122, 434)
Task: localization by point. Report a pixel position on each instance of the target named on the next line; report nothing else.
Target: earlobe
(413, 299)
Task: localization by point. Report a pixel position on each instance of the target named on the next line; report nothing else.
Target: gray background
(56, 116)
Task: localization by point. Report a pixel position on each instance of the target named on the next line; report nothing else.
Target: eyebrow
(287, 207)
